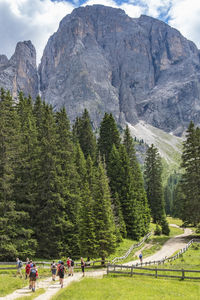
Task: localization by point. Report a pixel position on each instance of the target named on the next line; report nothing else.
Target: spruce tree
(109, 136)
(82, 131)
(51, 206)
(12, 233)
(104, 219)
(87, 236)
(190, 182)
(138, 182)
(121, 183)
(153, 179)
(68, 183)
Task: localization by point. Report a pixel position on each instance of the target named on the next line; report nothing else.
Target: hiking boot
(33, 289)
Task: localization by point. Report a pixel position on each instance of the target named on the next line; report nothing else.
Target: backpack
(61, 270)
(20, 264)
(72, 263)
(53, 266)
(33, 273)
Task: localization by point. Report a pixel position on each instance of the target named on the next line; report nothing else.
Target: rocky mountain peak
(20, 72)
(137, 69)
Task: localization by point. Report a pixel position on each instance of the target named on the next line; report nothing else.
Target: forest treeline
(65, 192)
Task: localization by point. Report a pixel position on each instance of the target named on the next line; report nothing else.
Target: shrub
(158, 230)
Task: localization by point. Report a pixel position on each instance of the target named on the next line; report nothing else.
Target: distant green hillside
(170, 146)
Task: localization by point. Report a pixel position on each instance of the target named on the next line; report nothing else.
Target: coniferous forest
(64, 191)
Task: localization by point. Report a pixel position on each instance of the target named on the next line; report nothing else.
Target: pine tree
(68, 183)
(104, 220)
(190, 182)
(87, 236)
(138, 182)
(121, 182)
(82, 131)
(50, 218)
(109, 136)
(12, 232)
(153, 172)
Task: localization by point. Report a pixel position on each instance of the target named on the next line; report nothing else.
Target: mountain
(20, 72)
(139, 69)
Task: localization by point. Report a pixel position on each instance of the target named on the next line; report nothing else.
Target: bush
(165, 227)
(158, 230)
(198, 228)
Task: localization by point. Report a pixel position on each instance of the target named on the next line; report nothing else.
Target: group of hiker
(59, 269)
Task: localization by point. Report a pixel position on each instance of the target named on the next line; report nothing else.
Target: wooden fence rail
(171, 258)
(89, 264)
(133, 270)
(132, 247)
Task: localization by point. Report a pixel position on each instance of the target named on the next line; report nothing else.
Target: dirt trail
(171, 246)
(50, 286)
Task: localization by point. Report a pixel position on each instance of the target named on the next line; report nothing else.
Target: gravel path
(51, 287)
(171, 246)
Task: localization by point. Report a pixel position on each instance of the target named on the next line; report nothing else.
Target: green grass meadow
(118, 288)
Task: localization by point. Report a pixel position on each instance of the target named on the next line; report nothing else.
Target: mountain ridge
(138, 69)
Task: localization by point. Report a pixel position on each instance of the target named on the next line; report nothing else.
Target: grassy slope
(130, 288)
(139, 287)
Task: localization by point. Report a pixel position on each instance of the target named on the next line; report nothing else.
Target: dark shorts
(32, 278)
(61, 276)
(83, 268)
(53, 271)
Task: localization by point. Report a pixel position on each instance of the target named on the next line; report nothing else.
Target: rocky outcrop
(138, 69)
(20, 72)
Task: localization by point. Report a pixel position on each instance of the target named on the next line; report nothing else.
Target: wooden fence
(133, 270)
(89, 264)
(132, 247)
(171, 258)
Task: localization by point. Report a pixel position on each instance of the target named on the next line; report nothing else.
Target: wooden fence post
(183, 274)
(131, 271)
(156, 272)
(107, 269)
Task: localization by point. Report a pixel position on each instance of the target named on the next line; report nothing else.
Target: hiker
(58, 267)
(53, 270)
(140, 257)
(33, 276)
(61, 272)
(69, 266)
(27, 270)
(19, 267)
(83, 266)
(72, 267)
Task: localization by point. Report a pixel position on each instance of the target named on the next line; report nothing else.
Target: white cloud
(184, 16)
(33, 20)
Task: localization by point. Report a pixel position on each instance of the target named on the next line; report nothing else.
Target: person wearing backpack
(53, 270)
(33, 276)
(69, 266)
(72, 267)
(83, 266)
(19, 267)
(140, 257)
(61, 273)
(27, 270)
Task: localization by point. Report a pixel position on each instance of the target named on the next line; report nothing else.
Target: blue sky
(36, 20)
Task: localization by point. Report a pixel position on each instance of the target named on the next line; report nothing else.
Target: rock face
(137, 69)
(103, 60)
(20, 72)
